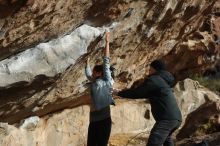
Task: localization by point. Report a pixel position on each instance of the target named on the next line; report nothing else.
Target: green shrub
(212, 84)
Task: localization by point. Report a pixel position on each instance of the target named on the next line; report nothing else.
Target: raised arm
(106, 60)
(88, 71)
(107, 39)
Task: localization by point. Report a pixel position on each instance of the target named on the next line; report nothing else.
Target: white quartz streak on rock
(48, 58)
(30, 123)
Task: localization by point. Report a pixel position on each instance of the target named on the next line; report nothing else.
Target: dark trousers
(99, 132)
(162, 132)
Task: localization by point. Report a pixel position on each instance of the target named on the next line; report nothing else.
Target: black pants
(162, 132)
(99, 132)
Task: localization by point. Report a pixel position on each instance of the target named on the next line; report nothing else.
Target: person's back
(162, 100)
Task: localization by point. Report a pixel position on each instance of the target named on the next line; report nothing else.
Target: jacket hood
(167, 76)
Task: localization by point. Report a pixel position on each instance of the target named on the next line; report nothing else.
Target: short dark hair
(158, 65)
(99, 68)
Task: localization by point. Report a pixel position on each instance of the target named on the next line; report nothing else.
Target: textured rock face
(213, 140)
(205, 121)
(130, 117)
(66, 128)
(69, 128)
(146, 30)
(191, 95)
(140, 140)
(49, 58)
(202, 114)
(27, 22)
(44, 45)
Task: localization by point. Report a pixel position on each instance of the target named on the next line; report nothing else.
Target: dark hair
(158, 65)
(112, 69)
(99, 68)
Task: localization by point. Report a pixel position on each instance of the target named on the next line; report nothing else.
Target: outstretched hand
(107, 36)
(88, 61)
(115, 91)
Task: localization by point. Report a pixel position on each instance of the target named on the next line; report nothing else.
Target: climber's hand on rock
(88, 61)
(107, 36)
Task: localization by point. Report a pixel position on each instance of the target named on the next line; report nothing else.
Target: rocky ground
(140, 139)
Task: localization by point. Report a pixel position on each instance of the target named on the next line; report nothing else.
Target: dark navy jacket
(157, 88)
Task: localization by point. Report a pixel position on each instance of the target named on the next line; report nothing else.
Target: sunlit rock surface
(129, 117)
(44, 46)
(48, 58)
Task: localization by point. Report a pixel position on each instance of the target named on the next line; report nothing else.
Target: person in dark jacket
(164, 108)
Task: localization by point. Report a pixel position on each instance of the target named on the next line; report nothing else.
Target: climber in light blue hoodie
(101, 94)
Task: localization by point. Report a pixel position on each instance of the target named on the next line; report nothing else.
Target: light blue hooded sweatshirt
(101, 89)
